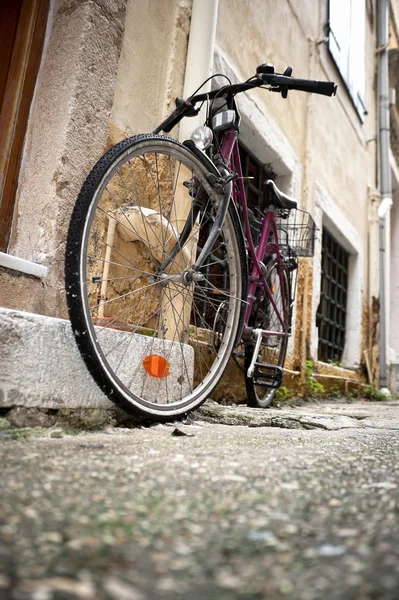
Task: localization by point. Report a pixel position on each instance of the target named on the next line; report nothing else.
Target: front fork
(223, 185)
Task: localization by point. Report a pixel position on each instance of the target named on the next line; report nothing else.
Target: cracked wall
(67, 133)
(91, 92)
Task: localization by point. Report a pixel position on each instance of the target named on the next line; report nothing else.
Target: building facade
(92, 72)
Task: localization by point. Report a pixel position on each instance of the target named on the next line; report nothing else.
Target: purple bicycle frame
(231, 156)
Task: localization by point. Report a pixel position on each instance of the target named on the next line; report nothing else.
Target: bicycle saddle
(272, 195)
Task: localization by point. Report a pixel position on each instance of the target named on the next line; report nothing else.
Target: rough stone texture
(86, 418)
(252, 417)
(21, 416)
(178, 383)
(394, 379)
(42, 366)
(77, 418)
(325, 415)
(226, 513)
(23, 291)
(157, 32)
(67, 133)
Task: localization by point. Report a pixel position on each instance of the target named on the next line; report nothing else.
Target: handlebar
(186, 108)
(277, 82)
(326, 88)
(174, 118)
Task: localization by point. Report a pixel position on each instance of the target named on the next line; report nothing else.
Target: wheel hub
(186, 278)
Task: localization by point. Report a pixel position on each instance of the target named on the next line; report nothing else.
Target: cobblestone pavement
(301, 506)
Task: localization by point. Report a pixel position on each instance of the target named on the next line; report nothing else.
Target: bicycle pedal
(268, 375)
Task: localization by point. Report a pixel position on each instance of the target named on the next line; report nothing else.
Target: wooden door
(22, 30)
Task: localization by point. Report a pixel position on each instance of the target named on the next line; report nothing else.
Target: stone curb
(288, 419)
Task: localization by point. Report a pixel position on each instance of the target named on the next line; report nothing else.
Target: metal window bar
(331, 313)
(252, 167)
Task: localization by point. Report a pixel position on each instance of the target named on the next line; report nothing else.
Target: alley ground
(300, 504)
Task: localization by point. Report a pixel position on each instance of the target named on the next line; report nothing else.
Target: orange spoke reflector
(156, 366)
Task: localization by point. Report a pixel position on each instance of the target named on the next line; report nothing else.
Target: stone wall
(152, 65)
(67, 133)
(111, 68)
(326, 135)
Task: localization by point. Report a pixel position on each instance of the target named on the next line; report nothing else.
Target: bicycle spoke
(122, 314)
(180, 345)
(110, 262)
(142, 321)
(100, 280)
(123, 295)
(146, 242)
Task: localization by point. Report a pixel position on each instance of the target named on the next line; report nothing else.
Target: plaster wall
(394, 268)
(329, 215)
(113, 67)
(253, 32)
(67, 133)
(81, 71)
(145, 89)
(334, 147)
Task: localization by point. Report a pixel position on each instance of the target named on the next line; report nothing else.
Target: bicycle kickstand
(251, 368)
(263, 374)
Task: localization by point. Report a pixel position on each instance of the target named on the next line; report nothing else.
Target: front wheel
(273, 349)
(144, 325)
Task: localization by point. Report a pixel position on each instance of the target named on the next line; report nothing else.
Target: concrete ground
(300, 504)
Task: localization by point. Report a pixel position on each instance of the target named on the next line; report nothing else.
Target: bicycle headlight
(202, 137)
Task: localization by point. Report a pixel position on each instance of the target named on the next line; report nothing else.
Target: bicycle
(169, 274)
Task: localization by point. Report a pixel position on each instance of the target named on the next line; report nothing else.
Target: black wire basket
(296, 232)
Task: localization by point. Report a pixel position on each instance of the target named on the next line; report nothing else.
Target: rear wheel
(155, 339)
(273, 348)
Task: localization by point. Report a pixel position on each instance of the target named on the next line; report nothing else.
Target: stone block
(41, 365)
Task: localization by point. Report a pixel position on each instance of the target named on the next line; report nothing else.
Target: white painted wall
(393, 338)
(329, 215)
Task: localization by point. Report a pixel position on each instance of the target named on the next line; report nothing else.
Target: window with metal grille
(331, 313)
(252, 167)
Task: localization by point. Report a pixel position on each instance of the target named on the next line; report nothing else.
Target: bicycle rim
(154, 342)
(273, 349)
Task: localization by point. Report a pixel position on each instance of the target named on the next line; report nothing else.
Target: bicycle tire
(274, 349)
(165, 363)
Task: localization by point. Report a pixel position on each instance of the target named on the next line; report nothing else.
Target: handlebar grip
(326, 88)
(173, 119)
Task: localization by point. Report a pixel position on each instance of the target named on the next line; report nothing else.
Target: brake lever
(287, 73)
(275, 88)
(189, 108)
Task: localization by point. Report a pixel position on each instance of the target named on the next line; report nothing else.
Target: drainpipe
(385, 174)
(201, 48)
